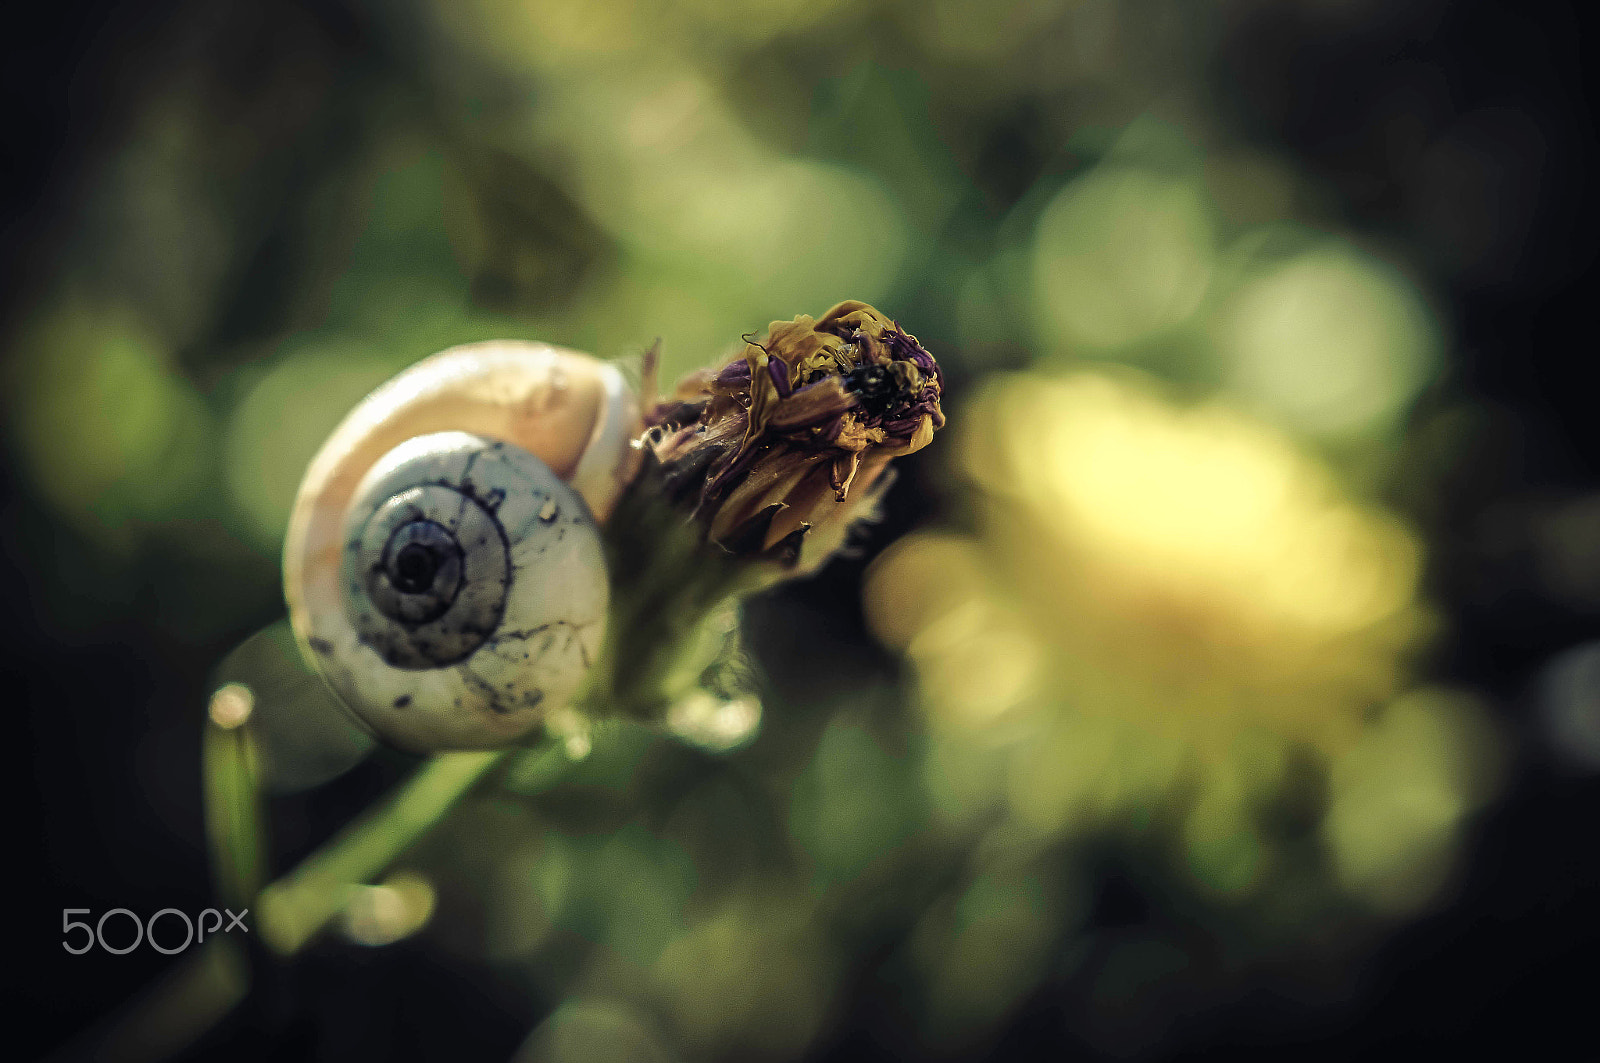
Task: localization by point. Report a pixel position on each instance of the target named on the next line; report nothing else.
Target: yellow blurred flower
(1189, 566)
(1160, 604)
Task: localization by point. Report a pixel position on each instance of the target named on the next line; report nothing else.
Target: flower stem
(234, 818)
(295, 907)
(210, 983)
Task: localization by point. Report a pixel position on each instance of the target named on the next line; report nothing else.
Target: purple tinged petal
(779, 372)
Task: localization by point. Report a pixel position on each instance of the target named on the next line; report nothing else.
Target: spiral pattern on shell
(475, 594)
(443, 566)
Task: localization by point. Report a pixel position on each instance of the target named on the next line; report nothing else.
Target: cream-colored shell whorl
(526, 422)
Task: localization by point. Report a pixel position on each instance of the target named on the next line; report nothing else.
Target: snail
(443, 563)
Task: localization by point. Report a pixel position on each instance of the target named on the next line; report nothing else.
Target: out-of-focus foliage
(1161, 640)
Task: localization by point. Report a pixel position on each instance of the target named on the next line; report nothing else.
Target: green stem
(209, 984)
(234, 816)
(293, 909)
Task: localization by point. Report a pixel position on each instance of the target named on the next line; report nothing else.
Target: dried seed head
(770, 456)
(777, 450)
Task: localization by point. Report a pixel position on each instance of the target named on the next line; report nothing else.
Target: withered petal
(779, 372)
(811, 405)
(794, 430)
(751, 536)
(769, 480)
(811, 499)
(763, 392)
(843, 318)
(844, 470)
(786, 551)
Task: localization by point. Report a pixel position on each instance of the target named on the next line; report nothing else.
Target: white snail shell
(443, 564)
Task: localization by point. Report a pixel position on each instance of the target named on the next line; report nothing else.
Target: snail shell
(443, 564)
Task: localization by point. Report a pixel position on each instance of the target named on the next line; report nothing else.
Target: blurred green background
(1210, 648)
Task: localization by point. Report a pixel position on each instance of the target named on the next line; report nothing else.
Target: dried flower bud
(787, 441)
(753, 471)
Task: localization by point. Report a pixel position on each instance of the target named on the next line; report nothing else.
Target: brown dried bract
(796, 431)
